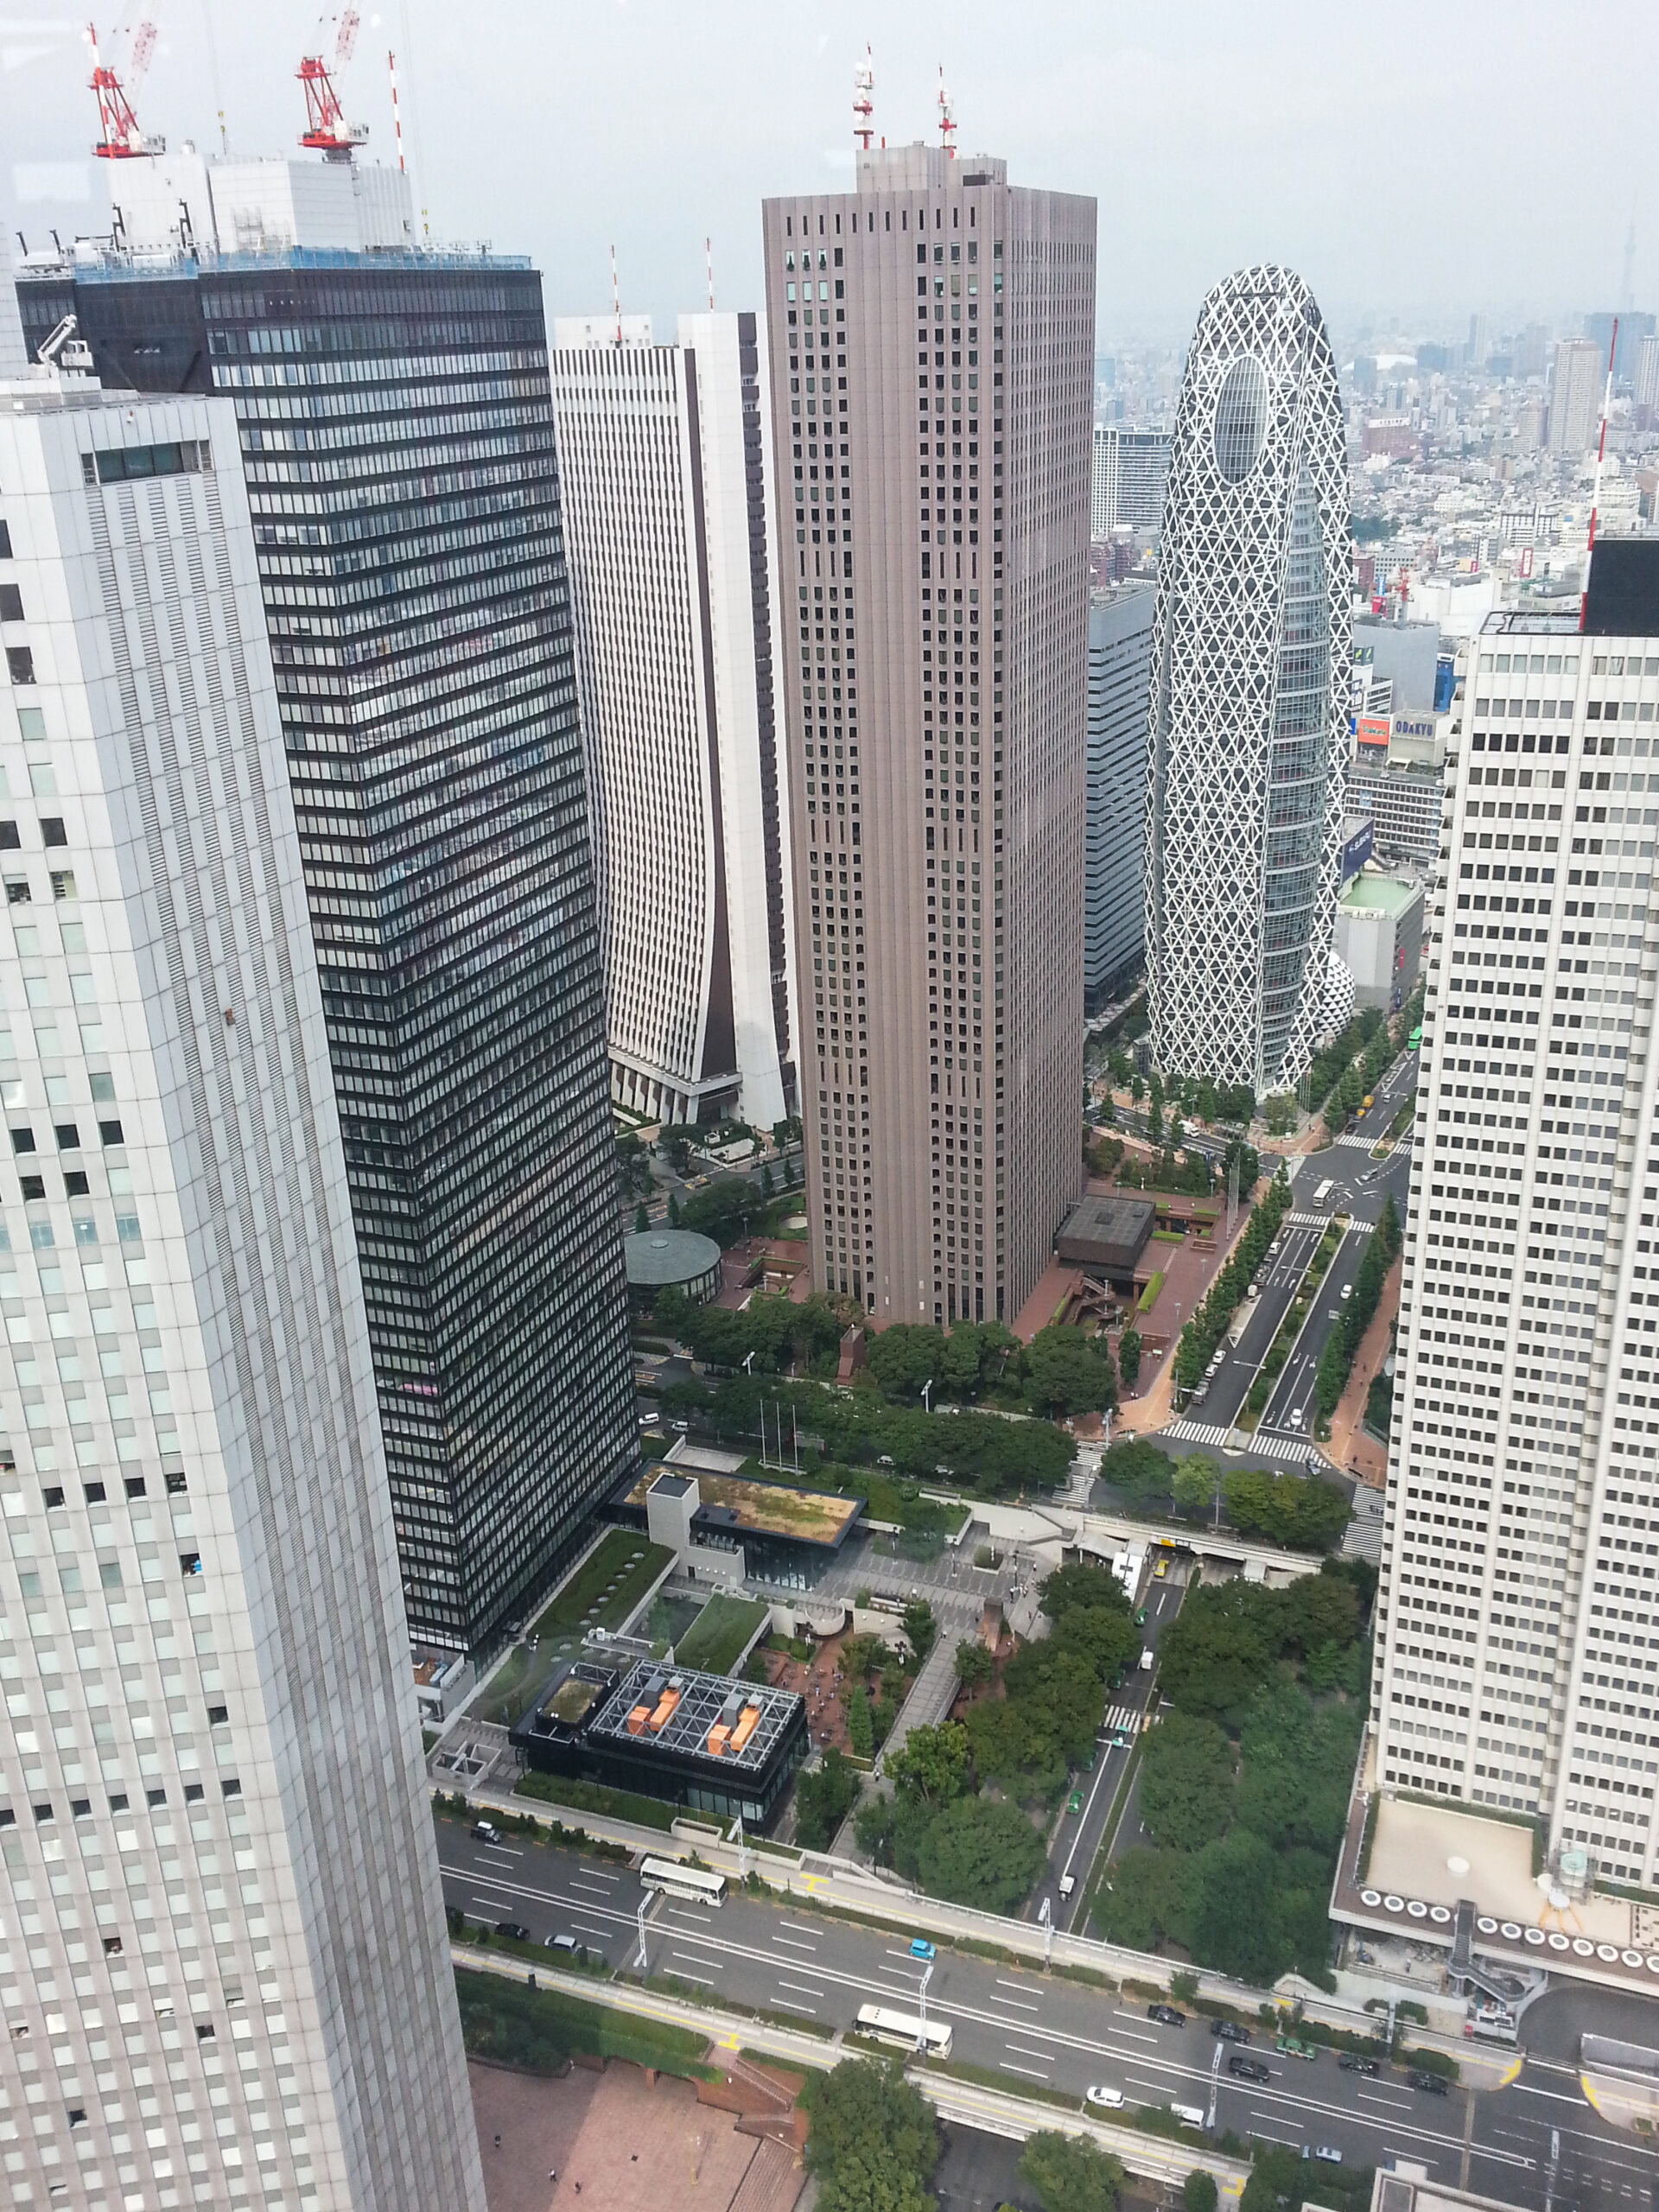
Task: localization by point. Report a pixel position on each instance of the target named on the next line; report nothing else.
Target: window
(135, 1485)
(32, 723)
(19, 663)
(22, 1141)
(11, 603)
(108, 1133)
(17, 891)
(119, 463)
(53, 831)
(63, 883)
(68, 1135)
(10, 841)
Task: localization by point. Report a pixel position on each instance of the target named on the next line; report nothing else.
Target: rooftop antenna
(397, 119)
(119, 139)
(947, 120)
(327, 131)
(1601, 454)
(708, 256)
(616, 297)
(212, 65)
(863, 105)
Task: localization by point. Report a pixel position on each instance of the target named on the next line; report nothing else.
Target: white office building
(1115, 902)
(1576, 380)
(224, 1971)
(664, 466)
(1518, 1621)
(1131, 470)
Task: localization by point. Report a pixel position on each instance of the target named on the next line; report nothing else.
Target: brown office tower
(932, 340)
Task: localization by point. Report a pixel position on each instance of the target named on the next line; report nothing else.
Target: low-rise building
(1380, 936)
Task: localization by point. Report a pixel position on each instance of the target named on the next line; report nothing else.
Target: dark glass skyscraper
(398, 438)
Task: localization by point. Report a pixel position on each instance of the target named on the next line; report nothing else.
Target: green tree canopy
(1083, 1583)
(1215, 1654)
(873, 2143)
(1067, 1372)
(932, 1764)
(1186, 1782)
(1198, 2191)
(1070, 2173)
(981, 1852)
(1197, 1481)
(824, 1799)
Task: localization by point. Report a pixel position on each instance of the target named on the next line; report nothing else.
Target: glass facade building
(1250, 692)
(397, 437)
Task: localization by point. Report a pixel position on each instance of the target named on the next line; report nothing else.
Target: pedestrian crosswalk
(1289, 1451)
(1123, 1721)
(1307, 1221)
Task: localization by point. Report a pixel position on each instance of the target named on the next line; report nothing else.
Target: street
(1060, 2034)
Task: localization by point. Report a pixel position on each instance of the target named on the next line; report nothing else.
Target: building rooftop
(91, 263)
(813, 1517)
(695, 1715)
(1106, 1232)
(657, 1256)
(671, 1485)
(1380, 894)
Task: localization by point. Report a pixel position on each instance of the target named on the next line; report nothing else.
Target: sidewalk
(1351, 1447)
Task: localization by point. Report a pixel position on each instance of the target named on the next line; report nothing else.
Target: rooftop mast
(947, 120)
(327, 131)
(863, 105)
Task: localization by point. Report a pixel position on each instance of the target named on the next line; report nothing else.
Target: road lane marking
(1556, 2096)
(1047, 2056)
(793, 1946)
(1009, 2005)
(796, 1928)
(1030, 2073)
(805, 1988)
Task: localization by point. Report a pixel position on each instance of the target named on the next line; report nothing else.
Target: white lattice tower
(1248, 702)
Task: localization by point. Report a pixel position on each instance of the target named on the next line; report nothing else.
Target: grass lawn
(498, 1706)
(608, 1585)
(715, 1641)
(540, 2028)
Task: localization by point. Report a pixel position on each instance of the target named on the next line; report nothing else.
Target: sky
(1414, 162)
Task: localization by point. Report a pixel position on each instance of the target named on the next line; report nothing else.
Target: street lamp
(643, 1902)
(921, 2007)
(927, 1399)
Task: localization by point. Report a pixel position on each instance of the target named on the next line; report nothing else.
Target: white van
(1191, 2115)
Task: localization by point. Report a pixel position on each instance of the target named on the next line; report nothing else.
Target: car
(1435, 2084)
(562, 1943)
(1167, 2014)
(1161, 1571)
(681, 1427)
(1292, 2047)
(1347, 1292)
(1141, 1617)
(1228, 2031)
(516, 1930)
(1074, 1802)
(1351, 2063)
(1327, 2154)
(1110, 2099)
(486, 1832)
(1249, 2069)
(1298, 1416)
(920, 1948)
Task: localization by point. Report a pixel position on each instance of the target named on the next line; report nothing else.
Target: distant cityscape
(832, 1158)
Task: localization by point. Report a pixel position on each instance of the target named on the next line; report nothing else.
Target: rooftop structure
(1106, 1235)
(657, 1258)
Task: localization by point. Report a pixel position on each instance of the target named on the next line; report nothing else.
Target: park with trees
(1243, 1784)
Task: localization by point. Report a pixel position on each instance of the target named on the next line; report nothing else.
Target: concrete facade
(937, 640)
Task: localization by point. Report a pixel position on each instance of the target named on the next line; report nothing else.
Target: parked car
(1229, 2031)
(920, 1948)
(1327, 2153)
(1292, 2047)
(1347, 1292)
(1435, 2084)
(486, 1832)
(1351, 2063)
(1111, 2100)
(516, 1930)
(562, 1943)
(1249, 2069)
(1074, 1802)
(1167, 2014)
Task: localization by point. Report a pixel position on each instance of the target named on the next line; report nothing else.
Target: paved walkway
(1351, 1448)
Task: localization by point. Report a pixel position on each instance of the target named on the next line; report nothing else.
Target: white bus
(905, 2030)
(1323, 1193)
(675, 1879)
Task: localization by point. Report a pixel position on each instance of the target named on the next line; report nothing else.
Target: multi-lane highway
(1050, 2031)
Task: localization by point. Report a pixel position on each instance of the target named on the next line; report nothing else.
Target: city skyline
(1219, 123)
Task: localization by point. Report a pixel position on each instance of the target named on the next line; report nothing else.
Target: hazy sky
(1410, 159)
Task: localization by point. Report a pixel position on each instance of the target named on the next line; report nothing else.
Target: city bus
(905, 2030)
(1323, 1193)
(675, 1879)
(1414, 1042)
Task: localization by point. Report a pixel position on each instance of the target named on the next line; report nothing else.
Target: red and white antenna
(1601, 454)
(119, 139)
(863, 104)
(397, 119)
(616, 297)
(947, 120)
(327, 131)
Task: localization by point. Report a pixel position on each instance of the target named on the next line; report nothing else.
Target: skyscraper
(1519, 1642)
(1250, 692)
(933, 502)
(1131, 470)
(228, 1978)
(1575, 390)
(663, 474)
(397, 442)
(1115, 901)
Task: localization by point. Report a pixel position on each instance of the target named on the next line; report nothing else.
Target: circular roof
(656, 1256)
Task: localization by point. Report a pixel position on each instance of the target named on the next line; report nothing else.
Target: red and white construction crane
(327, 131)
(119, 139)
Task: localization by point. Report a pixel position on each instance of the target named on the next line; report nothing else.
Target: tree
(768, 1188)
(1208, 1104)
(1198, 2191)
(1215, 1652)
(1104, 1636)
(1068, 1372)
(1196, 1482)
(1129, 1357)
(861, 1728)
(873, 2143)
(933, 1765)
(1082, 1584)
(1186, 1782)
(1137, 1469)
(979, 1852)
(1137, 1088)
(920, 1627)
(641, 1218)
(673, 1208)
(975, 1665)
(1070, 2173)
(1234, 1921)
(823, 1799)
(1016, 1744)
(1145, 1898)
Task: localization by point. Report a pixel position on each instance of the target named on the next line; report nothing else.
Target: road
(1050, 2031)
(1358, 1186)
(1075, 1845)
